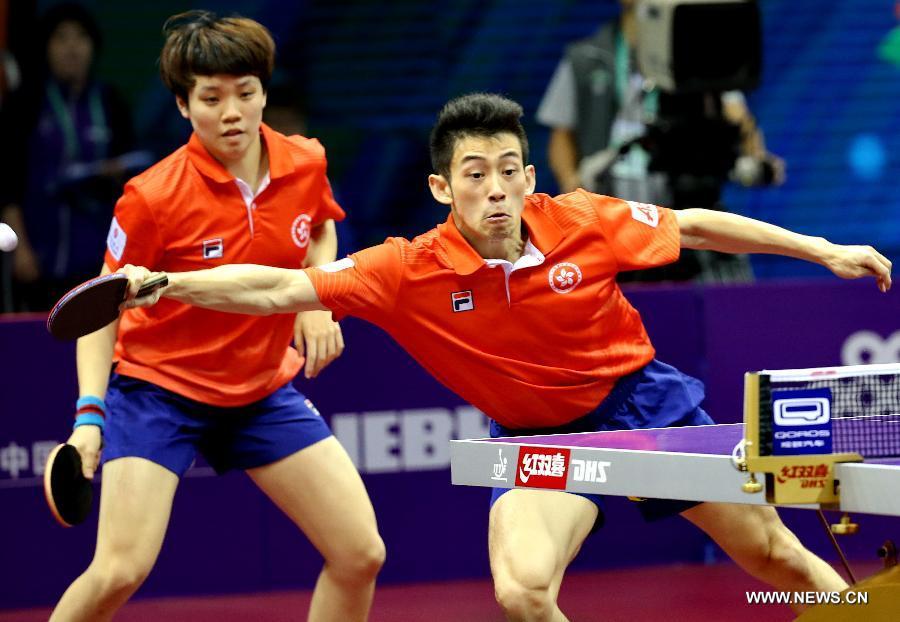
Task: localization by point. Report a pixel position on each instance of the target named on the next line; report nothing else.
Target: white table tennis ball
(8, 239)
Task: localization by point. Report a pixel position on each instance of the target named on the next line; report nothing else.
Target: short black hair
(476, 114)
(69, 12)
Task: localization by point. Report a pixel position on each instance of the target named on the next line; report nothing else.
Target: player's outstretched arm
(730, 233)
(244, 288)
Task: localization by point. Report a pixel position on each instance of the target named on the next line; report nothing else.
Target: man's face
(225, 112)
(487, 188)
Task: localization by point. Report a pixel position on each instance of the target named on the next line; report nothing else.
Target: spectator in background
(598, 107)
(67, 139)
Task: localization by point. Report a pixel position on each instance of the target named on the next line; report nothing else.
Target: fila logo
(462, 301)
(645, 213)
(213, 249)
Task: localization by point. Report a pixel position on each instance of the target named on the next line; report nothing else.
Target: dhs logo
(801, 422)
(542, 467)
(593, 471)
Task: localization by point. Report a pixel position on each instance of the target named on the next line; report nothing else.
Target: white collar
(531, 257)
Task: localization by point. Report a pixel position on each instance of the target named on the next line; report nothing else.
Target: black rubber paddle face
(87, 308)
(69, 493)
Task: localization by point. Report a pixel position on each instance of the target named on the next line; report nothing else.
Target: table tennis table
(688, 463)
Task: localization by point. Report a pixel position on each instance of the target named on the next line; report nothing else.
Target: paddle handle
(152, 284)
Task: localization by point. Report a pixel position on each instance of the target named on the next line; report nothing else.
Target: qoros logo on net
(542, 467)
(801, 421)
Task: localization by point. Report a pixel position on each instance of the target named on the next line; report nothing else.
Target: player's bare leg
(135, 506)
(756, 539)
(320, 490)
(532, 537)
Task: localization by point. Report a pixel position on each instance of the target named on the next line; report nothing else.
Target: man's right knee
(521, 602)
(525, 593)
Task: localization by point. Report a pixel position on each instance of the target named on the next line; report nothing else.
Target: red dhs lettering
(812, 483)
(800, 471)
(810, 475)
(542, 467)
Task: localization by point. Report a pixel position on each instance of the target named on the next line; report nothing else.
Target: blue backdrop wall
(372, 75)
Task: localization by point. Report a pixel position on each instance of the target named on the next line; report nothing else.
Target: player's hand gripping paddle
(68, 491)
(94, 304)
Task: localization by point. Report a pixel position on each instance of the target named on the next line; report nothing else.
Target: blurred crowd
(70, 144)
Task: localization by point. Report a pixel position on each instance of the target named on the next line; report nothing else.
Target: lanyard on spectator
(63, 114)
(650, 99)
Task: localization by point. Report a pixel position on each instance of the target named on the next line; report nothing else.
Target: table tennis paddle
(68, 491)
(94, 304)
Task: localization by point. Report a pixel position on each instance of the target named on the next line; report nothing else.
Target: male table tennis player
(512, 303)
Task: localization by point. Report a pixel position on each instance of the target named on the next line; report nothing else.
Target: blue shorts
(147, 421)
(656, 396)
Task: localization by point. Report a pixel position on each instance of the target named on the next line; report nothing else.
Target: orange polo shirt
(535, 344)
(188, 213)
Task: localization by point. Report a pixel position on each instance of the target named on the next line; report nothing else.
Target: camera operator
(614, 132)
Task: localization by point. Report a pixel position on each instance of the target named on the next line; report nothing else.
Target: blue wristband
(89, 419)
(90, 400)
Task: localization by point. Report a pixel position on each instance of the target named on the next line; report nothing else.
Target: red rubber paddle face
(88, 307)
(94, 304)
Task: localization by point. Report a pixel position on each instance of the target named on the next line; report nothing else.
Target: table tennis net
(865, 405)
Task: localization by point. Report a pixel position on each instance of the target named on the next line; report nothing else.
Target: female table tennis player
(187, 379)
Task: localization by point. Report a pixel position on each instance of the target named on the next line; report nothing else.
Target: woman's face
(225, 112)
(70, 52)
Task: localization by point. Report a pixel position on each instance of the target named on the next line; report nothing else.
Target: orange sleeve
(328, 206)
(364, 285)
(134, 235)
(640, 235)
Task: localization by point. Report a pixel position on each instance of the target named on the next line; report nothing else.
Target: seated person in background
(69, 148)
